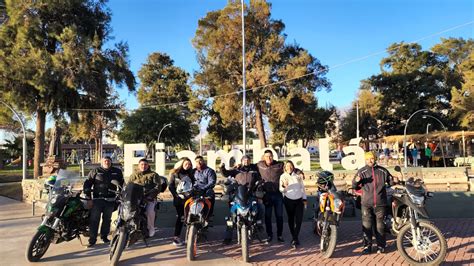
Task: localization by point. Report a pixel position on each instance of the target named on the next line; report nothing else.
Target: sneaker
(105, 240)
(380, 250)
(367, 250)
(269, 240)
(293, 244)
(280, 239)
(151, 233)
(177, 242)
(227, 241)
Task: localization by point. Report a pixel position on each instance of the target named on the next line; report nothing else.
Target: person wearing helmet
(150, 180)
(373, 180)
(325, 181)
(180, 176)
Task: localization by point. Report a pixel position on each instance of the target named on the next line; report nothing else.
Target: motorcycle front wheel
(191, 243)
(427, 247)
(328, 241)
(117, 245)
(244, 239)
(38, 245)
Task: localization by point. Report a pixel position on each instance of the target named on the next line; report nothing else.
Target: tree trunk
(39, 142)
(260, 127)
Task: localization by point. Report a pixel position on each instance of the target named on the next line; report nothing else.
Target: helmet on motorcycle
(51, 180)
(184, 188)
(324, 177)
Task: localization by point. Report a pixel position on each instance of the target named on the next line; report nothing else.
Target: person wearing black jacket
(373, 179)
(101, 200)
(181, 173)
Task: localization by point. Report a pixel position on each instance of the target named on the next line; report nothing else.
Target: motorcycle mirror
(116, 183)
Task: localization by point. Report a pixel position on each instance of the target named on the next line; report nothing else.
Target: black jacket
(271, 175)
(98, 182)
(241, 169)
(373, 183)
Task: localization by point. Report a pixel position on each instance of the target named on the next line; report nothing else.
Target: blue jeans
(273, 200)
(104, 208)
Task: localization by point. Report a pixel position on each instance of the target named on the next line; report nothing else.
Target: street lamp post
(427, 126)
(159, 134)
(405, 136)
(244, 124)
(24, 136)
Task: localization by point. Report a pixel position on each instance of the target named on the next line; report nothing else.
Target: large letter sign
(130, 158)
(304, 161)
(356, 159)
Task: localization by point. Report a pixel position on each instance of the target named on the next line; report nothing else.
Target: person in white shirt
(292, 187)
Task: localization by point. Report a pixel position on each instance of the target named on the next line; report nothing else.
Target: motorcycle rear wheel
(423, 254)
(38, 246)
(328, 243)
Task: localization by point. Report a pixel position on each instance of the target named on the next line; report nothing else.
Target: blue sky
(335, 32)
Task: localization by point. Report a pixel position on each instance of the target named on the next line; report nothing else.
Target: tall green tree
(462, 100)
(52, 60)
(411, 79)
(268, 59)
(144, 125)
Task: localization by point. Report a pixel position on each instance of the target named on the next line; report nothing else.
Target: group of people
(282, 186)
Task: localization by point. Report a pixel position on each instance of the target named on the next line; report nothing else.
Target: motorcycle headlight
(418, 200)
(196, 208)
(243, 211)
(338, 205)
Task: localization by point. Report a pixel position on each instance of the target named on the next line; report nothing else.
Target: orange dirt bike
(196, 211)
(326, 219)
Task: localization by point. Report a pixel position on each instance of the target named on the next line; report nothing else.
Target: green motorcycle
(66, 216)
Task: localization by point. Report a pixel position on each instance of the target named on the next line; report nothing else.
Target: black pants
(104, 208)
(369, 215)
(273, 200)
(294, 210)
(179, 205)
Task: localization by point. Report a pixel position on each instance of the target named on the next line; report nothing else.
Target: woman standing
(292, 187)
(181, 173)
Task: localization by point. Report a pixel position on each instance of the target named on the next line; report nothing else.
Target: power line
(289, 79)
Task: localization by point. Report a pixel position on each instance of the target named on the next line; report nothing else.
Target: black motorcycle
(66, 216)
(131, 223)
(419, 241)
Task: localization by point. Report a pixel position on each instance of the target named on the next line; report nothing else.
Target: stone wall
(436, 179)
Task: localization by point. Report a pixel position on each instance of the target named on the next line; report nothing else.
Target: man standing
(101, 200)
(372, 179)
(205, 180)
(270, 171)
(150, 180)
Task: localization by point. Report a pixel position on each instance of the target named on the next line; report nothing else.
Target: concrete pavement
(17, 226)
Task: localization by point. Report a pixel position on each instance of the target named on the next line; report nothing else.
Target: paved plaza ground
(17, 226)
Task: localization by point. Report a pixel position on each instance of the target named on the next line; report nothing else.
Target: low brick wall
(436, 179)
(32, 190)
